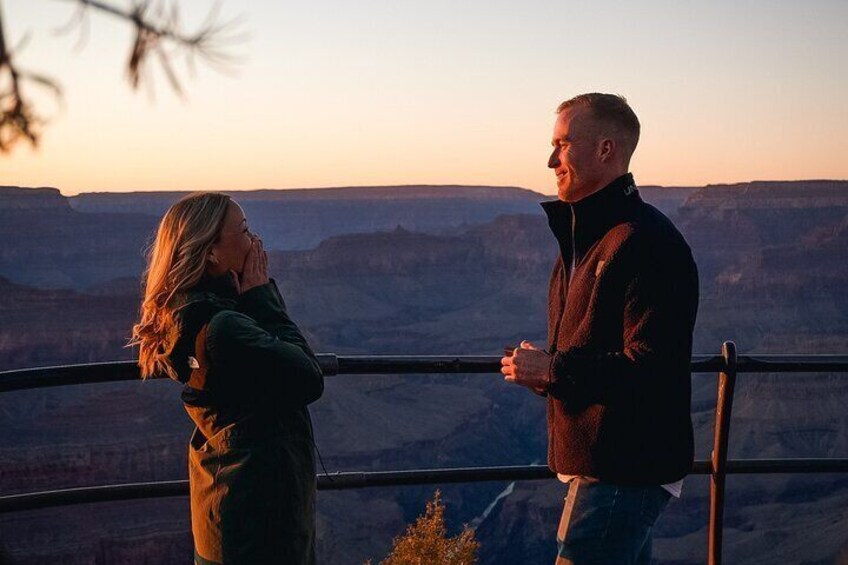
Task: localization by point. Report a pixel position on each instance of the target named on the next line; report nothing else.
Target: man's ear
(606, 149)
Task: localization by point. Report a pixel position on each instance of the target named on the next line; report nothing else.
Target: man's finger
(521, 356)
(506, 361)
(527, 345)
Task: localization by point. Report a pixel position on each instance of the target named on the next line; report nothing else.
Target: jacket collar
(592, 216)
(208, 289)
(222, 286)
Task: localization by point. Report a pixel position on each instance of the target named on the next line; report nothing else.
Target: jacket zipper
(573, 245)
(569, 274)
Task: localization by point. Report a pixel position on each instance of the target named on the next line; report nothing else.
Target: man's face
(576, 156)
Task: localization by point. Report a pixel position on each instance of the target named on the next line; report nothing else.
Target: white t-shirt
(675, 488)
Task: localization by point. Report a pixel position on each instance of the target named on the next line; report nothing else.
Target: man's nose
(553, 160)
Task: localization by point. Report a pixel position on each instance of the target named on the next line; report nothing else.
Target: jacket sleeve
(269, 355)
(659, 306)
(266, 306)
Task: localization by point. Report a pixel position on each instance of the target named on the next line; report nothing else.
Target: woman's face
(233, 243)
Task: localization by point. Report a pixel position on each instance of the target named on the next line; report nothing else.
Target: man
(622, 303)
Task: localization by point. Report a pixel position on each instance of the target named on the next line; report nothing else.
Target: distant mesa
(157, 202)
(773, 194)
(103, 236)
(53, 241)
(41, 198)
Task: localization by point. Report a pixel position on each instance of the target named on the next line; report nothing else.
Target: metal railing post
(718, 471)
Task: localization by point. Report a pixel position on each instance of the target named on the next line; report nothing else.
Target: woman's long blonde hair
(175, 263)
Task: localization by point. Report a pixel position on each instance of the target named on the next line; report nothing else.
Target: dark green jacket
(249, 375)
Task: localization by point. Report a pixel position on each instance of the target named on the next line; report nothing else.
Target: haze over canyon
(420, 270)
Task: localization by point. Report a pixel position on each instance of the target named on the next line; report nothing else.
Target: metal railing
(727, 365)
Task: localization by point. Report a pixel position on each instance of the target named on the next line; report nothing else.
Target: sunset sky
(370, 92)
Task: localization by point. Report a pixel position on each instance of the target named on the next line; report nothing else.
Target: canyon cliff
(774, 278)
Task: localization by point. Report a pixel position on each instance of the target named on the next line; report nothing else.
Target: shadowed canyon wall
(773, 265)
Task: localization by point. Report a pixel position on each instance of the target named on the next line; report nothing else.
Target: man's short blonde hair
(613, 113)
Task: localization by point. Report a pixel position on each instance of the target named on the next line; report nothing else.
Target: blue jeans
(604, 523)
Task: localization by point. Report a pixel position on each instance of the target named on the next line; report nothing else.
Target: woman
(212, 319)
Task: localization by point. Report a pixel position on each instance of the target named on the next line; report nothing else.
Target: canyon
(419, 270)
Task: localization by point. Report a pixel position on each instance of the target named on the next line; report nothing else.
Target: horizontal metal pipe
(398, 364)
(401, 364)
(351, 480)
(85, 495)
(791, 363)
(782, 466)
(341, 481)
(68, 375)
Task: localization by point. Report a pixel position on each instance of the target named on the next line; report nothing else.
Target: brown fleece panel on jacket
(620, 331)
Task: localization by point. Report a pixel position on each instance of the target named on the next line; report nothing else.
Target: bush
(426, 541)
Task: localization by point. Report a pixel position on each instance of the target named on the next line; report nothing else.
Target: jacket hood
(194, 309)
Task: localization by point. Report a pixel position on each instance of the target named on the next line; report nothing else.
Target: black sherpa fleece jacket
(622, 304)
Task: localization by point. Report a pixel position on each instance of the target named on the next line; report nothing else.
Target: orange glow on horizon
(318, 103)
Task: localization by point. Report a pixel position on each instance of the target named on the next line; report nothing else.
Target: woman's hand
(255, 271)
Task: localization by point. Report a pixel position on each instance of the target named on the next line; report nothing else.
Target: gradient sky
(366, 92)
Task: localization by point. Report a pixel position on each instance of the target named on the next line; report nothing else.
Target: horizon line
(405, 185)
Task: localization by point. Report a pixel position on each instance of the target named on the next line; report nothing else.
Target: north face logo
(629, 190)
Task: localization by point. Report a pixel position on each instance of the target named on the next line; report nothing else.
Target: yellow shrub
(426, 541)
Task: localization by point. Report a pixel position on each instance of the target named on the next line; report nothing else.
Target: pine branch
(18, 120)
(157, 25)
(158, 37)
